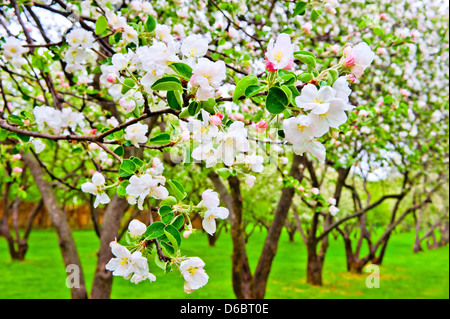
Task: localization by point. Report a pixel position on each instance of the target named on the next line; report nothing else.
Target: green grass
(403, 275)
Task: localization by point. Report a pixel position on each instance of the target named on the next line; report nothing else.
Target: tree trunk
(212, 240)
(101, 287)
(241, 273)
(378, 260)
(241, 276)
(271, 244)
(59, 222)
(417, 242)
(314, 265)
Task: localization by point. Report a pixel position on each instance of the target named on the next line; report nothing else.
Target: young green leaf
(155, 230)
(182, 69)
(100, 25)
(242, 85)
(168, 83)
(150, 24)
(276, 100)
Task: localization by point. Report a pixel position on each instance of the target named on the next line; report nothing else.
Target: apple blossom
(96, 188)
(359, 58)
(193, 273)
(136, 133)
(333, 210)
(207, 77)
(12, 48)
(145, 185)
(280, 53)
(136, 228)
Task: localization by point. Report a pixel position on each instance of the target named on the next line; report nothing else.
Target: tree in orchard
(16, 189)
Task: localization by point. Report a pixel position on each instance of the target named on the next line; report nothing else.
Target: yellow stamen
(278, 56)
(192, 270)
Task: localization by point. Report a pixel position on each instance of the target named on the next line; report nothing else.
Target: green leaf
(174, 100)
(224, 172)
(14, 119)
(177, 189)
(127, 168)
(167, 250)
(121, 189)
(300, 8)
(166, 219)
(164, 210)
(253, 90)
(332, 76)
(163, 138)
(119, 150)
(174, 236)
(168, 83)
(155, 230)
(182, 69)
(276, 100)
(193, 108)
(159, 263)
(150, 24)
(184, 113)
(178, 222)
(208, 105)
(242, 85)
(304, 52)
(288, 93)
(128, 84)
(100, 25)
(137, 161)
(169, 201)
(23, 137)
(315, 14)
(305, 77)
(309, 60)
(3, 134)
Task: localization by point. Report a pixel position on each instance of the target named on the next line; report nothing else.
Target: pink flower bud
(404, 92)
(261, 126)
(219, 115)
(17, 170)
(383, 16)
(349, 61)
(307, 27)
(215, 120)
(111, 78)
(16, 157)
(301, 188)
(187, 233)
(351, 78)
(315, 191)
(239, 116)
(270, 66)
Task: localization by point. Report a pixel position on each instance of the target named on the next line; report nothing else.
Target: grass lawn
(403, 275)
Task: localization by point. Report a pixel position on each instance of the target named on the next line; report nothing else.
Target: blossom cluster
(216, 142)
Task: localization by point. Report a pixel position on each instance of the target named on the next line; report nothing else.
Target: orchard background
(224, 149)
